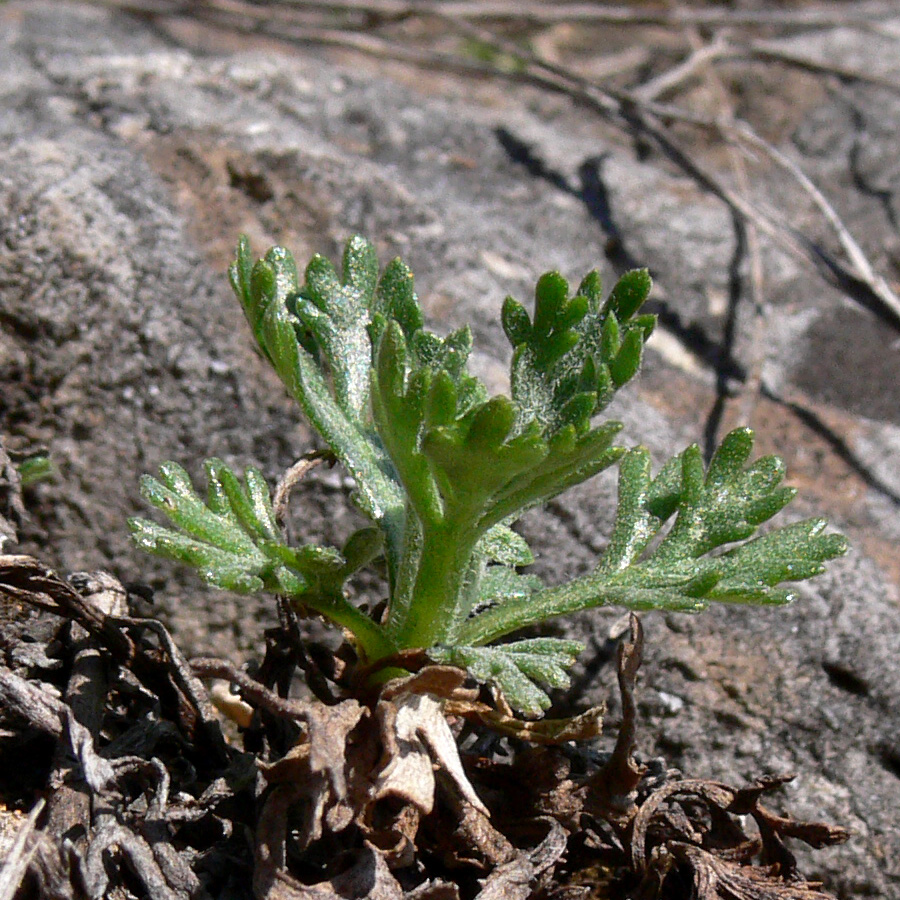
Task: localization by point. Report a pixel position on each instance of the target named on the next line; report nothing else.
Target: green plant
(34, 469)
(442, 471)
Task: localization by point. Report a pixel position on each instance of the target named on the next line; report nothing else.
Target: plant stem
(372, 639)
(432, 610)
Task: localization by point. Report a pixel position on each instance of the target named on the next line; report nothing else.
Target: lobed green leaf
(693, 564)
(571, 358)
(517, 669)
(234, 541)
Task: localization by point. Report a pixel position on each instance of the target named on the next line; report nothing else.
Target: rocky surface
(132, 153)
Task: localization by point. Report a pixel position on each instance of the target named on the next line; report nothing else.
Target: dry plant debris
(509, 37)
(132, 789)
(649, 93)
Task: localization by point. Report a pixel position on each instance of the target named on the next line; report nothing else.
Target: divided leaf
(517, 669)
(725, 504)
(567, 461)
(476, 455)
(493, 585)
(500, 583)
(301, 350)
(569, 360)
(442, 470)
(232, 539)
(503, 545)
(395, 299)
(336, 313)
(399, 402)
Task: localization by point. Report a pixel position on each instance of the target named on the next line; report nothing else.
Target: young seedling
(442, 472)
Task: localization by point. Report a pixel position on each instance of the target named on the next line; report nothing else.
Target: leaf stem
(372, 639)
(589, 592)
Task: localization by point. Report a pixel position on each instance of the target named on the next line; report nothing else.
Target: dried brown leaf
(319, 763)
(514, 880)
(434, 890)
(115, 840)
(407, 771)
(474, 842)
(417, 738)
(584, 727)
(369, 878)
(329, 730)
(395, 838)
(670, 829)
(441, 681)
(547, 786)
(27, 580)
(652, 810)
(49, 714)
(715, 878)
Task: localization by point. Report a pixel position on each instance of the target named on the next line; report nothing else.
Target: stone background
(135, 148)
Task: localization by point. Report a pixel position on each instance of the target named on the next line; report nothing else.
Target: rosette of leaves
(442, 471)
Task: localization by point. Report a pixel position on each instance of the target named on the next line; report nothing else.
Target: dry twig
(862, 15)
(629, 109)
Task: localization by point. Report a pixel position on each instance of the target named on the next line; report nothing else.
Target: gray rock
(129, 162)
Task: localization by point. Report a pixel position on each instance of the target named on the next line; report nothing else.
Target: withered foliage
(132, 784)
(134, 791)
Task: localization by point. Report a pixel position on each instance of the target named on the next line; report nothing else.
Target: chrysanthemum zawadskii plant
(443, 471)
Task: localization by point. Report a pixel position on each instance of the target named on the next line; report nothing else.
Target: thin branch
(727, 50)
(697, 61)
(854, 252)
(50, 715)
(296, 473)
(646, 118)
(627, 109)
(253, 691)
(768, 52)
(859, 15)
